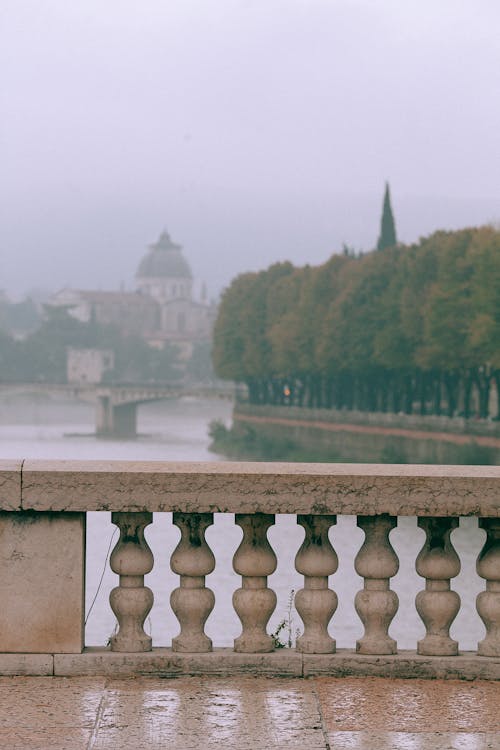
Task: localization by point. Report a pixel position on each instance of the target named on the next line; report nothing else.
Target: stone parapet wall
(43, 507)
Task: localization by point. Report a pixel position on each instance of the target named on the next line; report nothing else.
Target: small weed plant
(284, 635)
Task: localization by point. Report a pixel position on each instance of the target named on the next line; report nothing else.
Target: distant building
(162, 308)
(164, 275)
(131, 312)
(88, 365)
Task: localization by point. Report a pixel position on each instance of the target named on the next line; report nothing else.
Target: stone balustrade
(43, 508)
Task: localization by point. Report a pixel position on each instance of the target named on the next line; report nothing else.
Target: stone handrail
(43, 507)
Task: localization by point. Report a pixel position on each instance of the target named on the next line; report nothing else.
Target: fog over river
(40, 427)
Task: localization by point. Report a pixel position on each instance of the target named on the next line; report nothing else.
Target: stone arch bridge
(116, 403)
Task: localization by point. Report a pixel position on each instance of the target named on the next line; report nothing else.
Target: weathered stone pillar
(131, 601)
(254, 602)
(438, 606)
(316, 603)
(192, 602)
(42, 582)
(488, 602)
(376, 604)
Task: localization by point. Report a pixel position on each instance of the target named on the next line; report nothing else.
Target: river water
(42, 427)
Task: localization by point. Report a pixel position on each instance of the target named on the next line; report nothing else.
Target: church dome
(164, 259)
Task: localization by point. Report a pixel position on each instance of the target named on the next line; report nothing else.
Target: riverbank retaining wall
(333, 435)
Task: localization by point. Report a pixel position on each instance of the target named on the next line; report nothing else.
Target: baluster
(254, 602)
(437, 605)
(131, 601)
(376, 604)
(192, 602)
(316, 603)
(488, 602)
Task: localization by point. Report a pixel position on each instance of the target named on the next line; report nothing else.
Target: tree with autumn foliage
(405, 328)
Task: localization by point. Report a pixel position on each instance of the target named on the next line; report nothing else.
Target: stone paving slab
(49, 702)
(45, 739)
(412, 741)
(212, 713)
(377, 704)
(250, 713)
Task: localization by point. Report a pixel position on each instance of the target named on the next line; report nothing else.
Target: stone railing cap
(10, 484)
(246, 487)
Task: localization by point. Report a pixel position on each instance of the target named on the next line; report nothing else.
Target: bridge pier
(104, 416)
(125, 421)
(118, 421)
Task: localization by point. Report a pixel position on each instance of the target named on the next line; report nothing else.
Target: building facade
(88, 365)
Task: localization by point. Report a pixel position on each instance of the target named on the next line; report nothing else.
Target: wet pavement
(248, 713)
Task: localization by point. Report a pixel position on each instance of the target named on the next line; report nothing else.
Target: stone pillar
(42, 582)
(438, 606)
(376, 604)
(131, 601)
(316, 603)
(192, 602)
(254, 602)
(488, 602)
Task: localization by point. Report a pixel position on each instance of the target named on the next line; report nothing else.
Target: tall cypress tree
(387, 227)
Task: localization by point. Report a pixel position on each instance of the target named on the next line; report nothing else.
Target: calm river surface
(39, 427)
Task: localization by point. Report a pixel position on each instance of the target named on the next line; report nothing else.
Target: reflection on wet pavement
(251, 713)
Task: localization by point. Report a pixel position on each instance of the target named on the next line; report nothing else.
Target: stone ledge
(39, 665)
(163, 662)
(223, 662)
(404, 665)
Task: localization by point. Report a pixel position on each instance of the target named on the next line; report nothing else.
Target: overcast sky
(254, 130)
